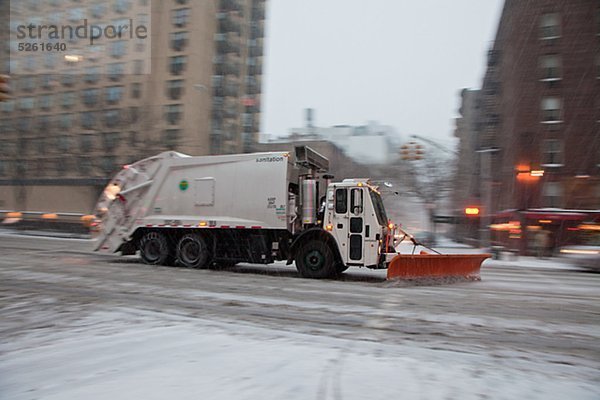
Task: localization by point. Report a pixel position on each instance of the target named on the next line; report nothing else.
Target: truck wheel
(154, 249)
(192, 252)
(315, 260)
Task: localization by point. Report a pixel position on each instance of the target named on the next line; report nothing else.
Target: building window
(45, 81)
(7, 106)
(68, 79)
(175, 89)
(179, 40)
(65, 121)
(41, 145)
(121, 6)
(551, 109)
(21, 167)
(177, 64)
(98, 10)
(136, 90)
(88, 120)
(44, 123)
(552, 153)
(550, 65)
(27, 83)
(115, 71)
(134, 114)
(76, 15)
(22, 146)
(26, 103)
(85, 165)
(180, 17)
(550, 26)
(90, 97)
(247, 120)
(138, 67)
(112, 118)
(86, 143)
(45, 102)
(107, 163)
(118, 48)
(171, 137)
(24, 125)
(96, 52)
(552, 193)
(133, 139)
(68, 99)
(173, 113)
(114, 94)
(92, 75)
(63, 143)
(111, 140)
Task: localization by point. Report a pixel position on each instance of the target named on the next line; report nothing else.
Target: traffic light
(4, 88)
(411, 151)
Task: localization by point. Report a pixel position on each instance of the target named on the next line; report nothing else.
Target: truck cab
(352, 231)
(356, 218)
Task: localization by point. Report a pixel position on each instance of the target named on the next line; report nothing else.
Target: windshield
(379, 208)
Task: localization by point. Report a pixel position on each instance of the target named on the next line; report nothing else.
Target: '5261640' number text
(42, 47)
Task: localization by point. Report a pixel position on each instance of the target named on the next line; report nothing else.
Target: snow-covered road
(78, 325)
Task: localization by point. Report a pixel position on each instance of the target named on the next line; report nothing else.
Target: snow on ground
(133, 354)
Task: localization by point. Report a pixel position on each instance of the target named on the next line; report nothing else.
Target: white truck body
(175, 190)
(257, 207)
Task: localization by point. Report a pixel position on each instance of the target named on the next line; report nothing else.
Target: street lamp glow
(537, 172)
(472, 211)
(73, 58)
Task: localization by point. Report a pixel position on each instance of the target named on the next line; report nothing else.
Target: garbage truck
(257, 208)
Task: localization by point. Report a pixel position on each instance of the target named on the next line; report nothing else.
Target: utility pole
(486, 218)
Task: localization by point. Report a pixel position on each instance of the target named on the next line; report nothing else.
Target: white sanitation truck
(256, 208)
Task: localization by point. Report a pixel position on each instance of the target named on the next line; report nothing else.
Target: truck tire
(315, 260)
(192, 252)
(154, 249)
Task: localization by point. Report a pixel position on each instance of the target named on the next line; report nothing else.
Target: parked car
(584, 256)
(586, 253)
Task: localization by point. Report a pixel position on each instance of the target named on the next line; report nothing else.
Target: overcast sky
(399, 62)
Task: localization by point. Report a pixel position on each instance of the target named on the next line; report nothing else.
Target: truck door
(349, 224)
(356, 231)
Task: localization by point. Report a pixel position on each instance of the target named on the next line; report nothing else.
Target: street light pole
(486, 218)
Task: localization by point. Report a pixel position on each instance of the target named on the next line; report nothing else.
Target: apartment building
(80, 113)
(539, 122)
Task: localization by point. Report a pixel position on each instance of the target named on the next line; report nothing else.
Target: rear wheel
(192, 252)
(315, 260)
(154, 249)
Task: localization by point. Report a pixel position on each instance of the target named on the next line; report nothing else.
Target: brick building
(540, 106)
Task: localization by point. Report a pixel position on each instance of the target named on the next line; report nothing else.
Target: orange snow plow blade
(414, 266)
